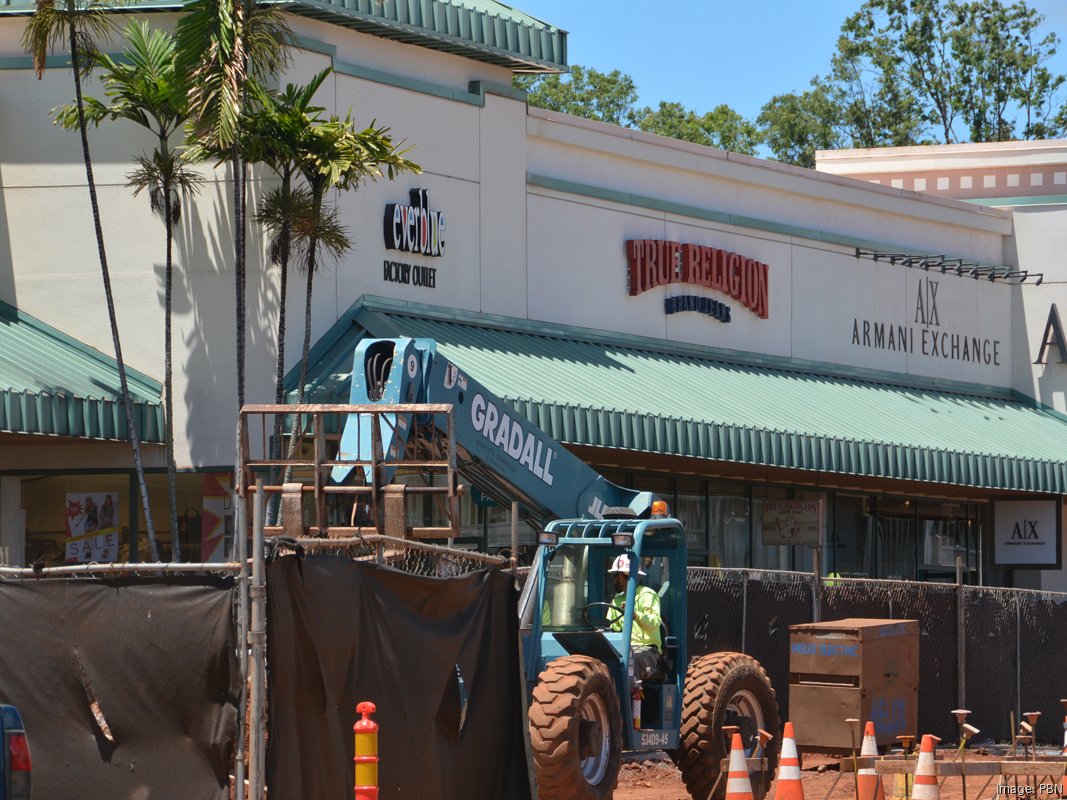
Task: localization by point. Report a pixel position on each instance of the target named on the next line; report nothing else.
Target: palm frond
(268, 39)
(286, 216)
(332, 236)
(157, 174)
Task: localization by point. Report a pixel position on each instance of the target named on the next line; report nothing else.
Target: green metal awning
(483, 30)
(53, 384)
(588, 388)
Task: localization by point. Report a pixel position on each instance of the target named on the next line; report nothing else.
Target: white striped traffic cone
(926, 787)
(738, 786)
(868, 782)
(788, 785)
(1065, 736)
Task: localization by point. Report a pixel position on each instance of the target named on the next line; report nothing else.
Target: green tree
(874, 107)
(795, 125)
(937, 63)
(332, 155)
(1003, 65)
(147, 89)
(721, 127)
(585, 92)
(76, 26)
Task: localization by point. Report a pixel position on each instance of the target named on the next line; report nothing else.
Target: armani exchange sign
(1027, 533)
(927, 335)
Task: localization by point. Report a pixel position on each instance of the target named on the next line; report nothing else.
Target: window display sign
(92, 527)
(1027, 534)
(216, 520)
(790, 522)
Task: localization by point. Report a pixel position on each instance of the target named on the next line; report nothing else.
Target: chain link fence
(1009, 659)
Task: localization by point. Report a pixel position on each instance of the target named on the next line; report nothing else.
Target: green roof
(483, 30)
(587, 388)
(53, 384)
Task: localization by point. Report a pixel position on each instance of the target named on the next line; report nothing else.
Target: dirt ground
(657, 779)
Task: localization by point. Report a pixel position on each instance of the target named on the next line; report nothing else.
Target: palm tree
(332, 155)
(221, 43)
(271, 135)
(335, 156)
(149, 91)
(77, 27)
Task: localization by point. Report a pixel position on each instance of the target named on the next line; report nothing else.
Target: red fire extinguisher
(635, 700)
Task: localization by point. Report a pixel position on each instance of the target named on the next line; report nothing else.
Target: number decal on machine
(654, 739)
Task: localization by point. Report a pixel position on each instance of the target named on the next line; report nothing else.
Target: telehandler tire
(724, 689)
(576, 730)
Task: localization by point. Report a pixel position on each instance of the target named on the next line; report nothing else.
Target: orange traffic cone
(789, 786)
(926, 787)
(738, 786)
(868, 783)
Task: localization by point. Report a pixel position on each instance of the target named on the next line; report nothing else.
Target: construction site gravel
(656, 778)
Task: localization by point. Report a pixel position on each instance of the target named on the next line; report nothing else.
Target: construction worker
(645, 643)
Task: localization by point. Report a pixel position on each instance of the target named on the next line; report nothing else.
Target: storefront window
(948, 530)
(76, 518)
(729, 531)
(71, 519)
(691, 509)
(851, 554)
(205, 516)
(895, 539)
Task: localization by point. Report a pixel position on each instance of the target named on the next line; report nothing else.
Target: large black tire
(576, 730)
(724, 689)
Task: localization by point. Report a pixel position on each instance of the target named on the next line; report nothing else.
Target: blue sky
(705, 52)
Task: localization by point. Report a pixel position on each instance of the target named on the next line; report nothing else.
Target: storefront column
(12, 520)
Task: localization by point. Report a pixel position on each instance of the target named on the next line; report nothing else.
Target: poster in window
(216, 522)
(92, 527)
(792, 522)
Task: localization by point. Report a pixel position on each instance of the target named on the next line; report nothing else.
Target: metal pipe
(241, 544)
(138, 568)
(744, 608)
(1018, 657)
(514, 535)
(961, 641)
(257, 640)
(409, 544)
(816, 585)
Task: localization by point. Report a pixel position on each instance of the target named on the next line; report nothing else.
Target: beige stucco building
(717, 328)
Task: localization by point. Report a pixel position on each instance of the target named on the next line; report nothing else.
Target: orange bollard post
(366, 733)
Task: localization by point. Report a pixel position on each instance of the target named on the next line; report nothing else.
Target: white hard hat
(622, 564)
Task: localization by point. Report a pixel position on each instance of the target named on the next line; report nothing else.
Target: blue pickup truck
(15, 763)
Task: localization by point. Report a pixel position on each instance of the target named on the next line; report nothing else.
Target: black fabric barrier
(343, 632)
(158, 659)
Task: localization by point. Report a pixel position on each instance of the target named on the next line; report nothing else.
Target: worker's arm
(646, 611)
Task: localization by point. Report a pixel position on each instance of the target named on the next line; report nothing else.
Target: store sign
(1027, 534)
(790, 522)
(1053, 338)
(92, 521)
(925, 335)
(415, 228)
(656, 262)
